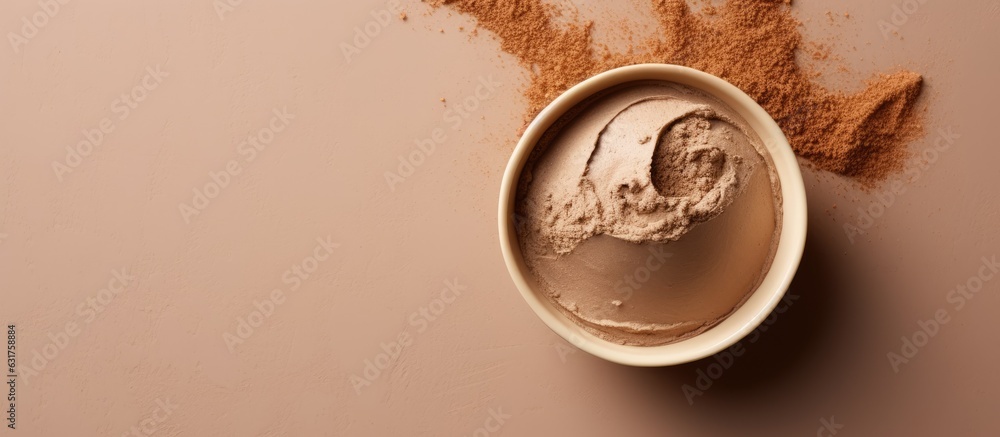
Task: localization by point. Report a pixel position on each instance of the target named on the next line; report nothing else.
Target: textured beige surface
(405, 273)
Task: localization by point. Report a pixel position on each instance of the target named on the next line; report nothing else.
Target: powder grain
(753, 44)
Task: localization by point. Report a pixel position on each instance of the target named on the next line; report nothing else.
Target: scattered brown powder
(752, 44)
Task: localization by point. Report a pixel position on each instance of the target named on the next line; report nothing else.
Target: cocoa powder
(753, 44)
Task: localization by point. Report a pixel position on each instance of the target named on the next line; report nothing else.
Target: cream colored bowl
(764, 298)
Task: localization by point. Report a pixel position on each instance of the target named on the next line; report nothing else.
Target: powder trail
(753, 44)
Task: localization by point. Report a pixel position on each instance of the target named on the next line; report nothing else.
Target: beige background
(160, 341)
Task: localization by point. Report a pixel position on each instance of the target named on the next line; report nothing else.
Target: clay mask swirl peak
(655, 170)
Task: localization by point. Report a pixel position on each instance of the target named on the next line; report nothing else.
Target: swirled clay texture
(649, 213)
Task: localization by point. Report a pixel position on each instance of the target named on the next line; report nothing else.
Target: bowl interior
(763, 300)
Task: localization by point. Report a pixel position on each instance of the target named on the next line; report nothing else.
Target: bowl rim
(762, 301)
